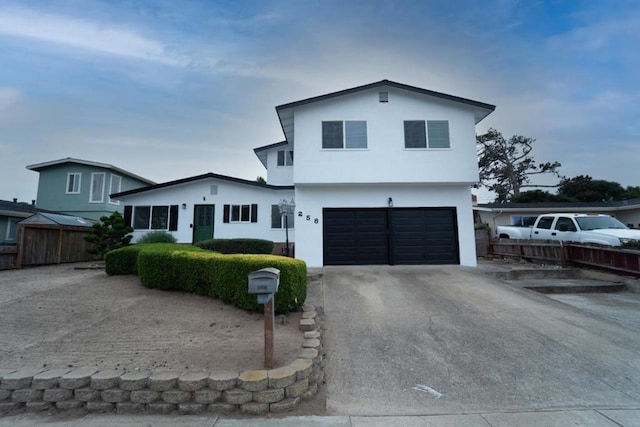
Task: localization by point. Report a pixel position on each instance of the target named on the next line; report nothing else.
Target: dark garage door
(390, 236)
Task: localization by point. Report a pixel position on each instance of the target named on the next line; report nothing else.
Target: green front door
(203, 223)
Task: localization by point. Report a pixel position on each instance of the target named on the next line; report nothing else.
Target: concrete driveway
(450, 340)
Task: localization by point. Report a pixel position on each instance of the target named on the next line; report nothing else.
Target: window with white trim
(423, 134)
(278, 220)
(161, 217)
(73, 183)
(97, 187)
(285, 158)
(240, 213)
(348, 134)
(12, 226)
(114, 187)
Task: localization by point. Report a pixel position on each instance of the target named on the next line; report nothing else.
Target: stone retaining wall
(251, 392)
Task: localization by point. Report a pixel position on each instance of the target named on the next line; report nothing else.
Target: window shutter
(280, 158)
(276, 218)
(254, 213)
(173, 218)
(225, 213)
(128, 210)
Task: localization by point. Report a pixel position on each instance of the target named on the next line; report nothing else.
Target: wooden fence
(40, 244)
(615, 259)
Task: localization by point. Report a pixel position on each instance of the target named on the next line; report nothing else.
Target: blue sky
(168, 89)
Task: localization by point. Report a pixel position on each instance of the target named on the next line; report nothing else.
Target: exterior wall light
(390, 202)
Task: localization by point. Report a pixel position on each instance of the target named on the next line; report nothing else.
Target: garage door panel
(395, 235)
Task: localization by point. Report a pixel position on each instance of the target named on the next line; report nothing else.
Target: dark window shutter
(225, 213)
(173, 218)
(281, 158)
(254, 213)
(276, 218)
(128, 210)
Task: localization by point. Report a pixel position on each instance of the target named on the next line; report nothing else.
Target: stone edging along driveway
(255, 392)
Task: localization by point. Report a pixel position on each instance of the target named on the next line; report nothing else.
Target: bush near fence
(191, 269)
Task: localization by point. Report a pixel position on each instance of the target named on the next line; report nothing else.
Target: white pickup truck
(583, 228)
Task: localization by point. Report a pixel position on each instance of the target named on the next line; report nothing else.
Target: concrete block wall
(254, 392)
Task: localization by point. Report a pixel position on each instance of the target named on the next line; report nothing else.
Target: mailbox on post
(264, 283)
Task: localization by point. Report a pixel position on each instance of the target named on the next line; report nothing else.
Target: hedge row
(237, 246)
(187, 268)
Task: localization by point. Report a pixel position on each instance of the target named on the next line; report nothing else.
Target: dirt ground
(62, 316)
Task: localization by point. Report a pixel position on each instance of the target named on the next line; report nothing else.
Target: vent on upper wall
(384, 96)
(214, 190)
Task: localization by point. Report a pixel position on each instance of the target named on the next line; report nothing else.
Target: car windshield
(598, 222)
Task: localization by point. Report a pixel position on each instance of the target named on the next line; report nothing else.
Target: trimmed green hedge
(237, 246)
(125, 260)
(178, 267)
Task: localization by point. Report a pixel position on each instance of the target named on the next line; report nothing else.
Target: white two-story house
(382, 175)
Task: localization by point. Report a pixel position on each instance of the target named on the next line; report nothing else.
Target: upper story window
(114, 187)
(426, 134)
(344, 134)
(97, 187)
(73, 183)
(285, 158)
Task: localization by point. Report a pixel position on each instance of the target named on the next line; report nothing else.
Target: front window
(73, 183)
(160, 217)
(285, 158)
(350, 134)
(97, 187)
(240, 213)
(278, 220)
(141, 216)
(431, 134)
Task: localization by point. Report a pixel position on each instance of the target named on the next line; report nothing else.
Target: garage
(362, 236)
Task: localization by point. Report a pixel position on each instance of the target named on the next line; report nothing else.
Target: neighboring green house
(10, 214)
(82, 188)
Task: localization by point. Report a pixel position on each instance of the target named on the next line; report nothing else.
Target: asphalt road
(450, 340)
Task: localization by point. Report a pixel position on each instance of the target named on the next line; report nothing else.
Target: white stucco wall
(278, 175)
(385, 160)
(310, 200)
(200, 193)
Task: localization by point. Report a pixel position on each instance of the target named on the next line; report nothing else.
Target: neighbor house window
(12, 226)
(152, 217)
(97, 187)
(348, 134)
(277, 220)
(114, 187)
(523, 221)
(426, 134)
(285, 158)
(240, 213)
(73, 183)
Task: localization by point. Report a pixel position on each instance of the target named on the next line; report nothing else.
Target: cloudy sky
(169, 89)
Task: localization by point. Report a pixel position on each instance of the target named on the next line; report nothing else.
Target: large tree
(506, 166)
(583, 188)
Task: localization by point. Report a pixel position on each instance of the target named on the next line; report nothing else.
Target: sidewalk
(571, 417)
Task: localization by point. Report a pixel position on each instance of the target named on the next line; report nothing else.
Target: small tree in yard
(110, 233)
